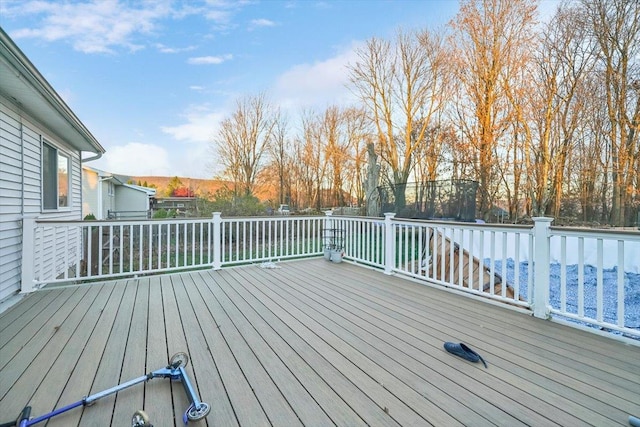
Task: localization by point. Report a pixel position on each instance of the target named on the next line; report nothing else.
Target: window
(55, 178)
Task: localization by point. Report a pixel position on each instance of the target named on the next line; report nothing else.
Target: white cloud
(261, 23)
(319, 84)
(137, 159)
(192, 154)
(94, 27)
(201, 125)
(166, 49)
(322, 5)
(199, 60)
(103, 26)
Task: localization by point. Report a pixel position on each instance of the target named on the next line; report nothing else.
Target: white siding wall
(108, 199)
(90, 184)
(20, 184)
(129, 199)
(11, 206)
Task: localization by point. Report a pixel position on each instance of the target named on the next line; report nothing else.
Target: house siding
(20, 183)
(108, 200)
(129, 199)
(90, 184)
(11, 206)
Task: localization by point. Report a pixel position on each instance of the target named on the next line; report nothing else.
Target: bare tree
(356, 132)
(489, 34)
(311, 160)
(335, 151)
(400, 85)
(341, 134)
(615, 26)
(279, 149)
(242, 141)
(564, 61)
(591, 159)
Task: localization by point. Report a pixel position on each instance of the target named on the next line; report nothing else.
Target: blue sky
(152, 79)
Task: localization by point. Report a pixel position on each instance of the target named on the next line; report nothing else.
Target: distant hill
(204, 188)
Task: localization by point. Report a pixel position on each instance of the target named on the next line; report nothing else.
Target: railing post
(28, 254)
(389, 243)
(217, 244)
(541, 267)
(327, 220)
(327, 224)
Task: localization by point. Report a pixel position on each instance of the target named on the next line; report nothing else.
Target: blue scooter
(175, 371)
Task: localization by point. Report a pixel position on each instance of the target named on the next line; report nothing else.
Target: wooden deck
(310, 343)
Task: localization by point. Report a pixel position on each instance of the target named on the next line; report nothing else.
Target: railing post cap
(542, 219)
(217, 214)
(389, 214)
(329, 212)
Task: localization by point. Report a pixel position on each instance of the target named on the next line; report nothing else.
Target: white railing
(472, 258)
(85, 250)
(65, 251)
(246, 240)
(591, 276)
(595, 277)
(580, 274)
(439, 252)
(363, 239)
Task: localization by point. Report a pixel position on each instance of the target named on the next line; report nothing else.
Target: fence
(129, 214)
(591, 276)
(585, 275)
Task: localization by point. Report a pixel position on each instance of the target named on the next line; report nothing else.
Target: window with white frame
(55, 178)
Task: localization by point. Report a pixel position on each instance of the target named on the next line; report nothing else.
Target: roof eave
(37, 97)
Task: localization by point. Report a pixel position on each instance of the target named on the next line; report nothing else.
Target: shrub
(160, 214)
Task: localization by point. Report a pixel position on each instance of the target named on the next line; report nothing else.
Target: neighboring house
(108, 196)
(185, 206)
(41, 146)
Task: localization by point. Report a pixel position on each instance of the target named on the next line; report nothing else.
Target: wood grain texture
(310, 343)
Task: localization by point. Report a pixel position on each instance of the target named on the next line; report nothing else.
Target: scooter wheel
(178, 360)
(140, 419)
(195, 414)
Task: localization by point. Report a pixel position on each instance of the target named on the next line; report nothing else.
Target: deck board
(516, 366)
(287, 392)
(176, 342)
(329, 404)
(134, 361)
(310, 343)
(366, 357)
(406, 362)
(61, 368)
(111, 358)
(28, 361)
(19, 314)
(245, 403)
(86, 364)
(519, 393)
(157, 394)
(272, 400)
(199, 335)
(417, 365)
(340, 392)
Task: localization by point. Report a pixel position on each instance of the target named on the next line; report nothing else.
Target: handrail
(559, 273)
